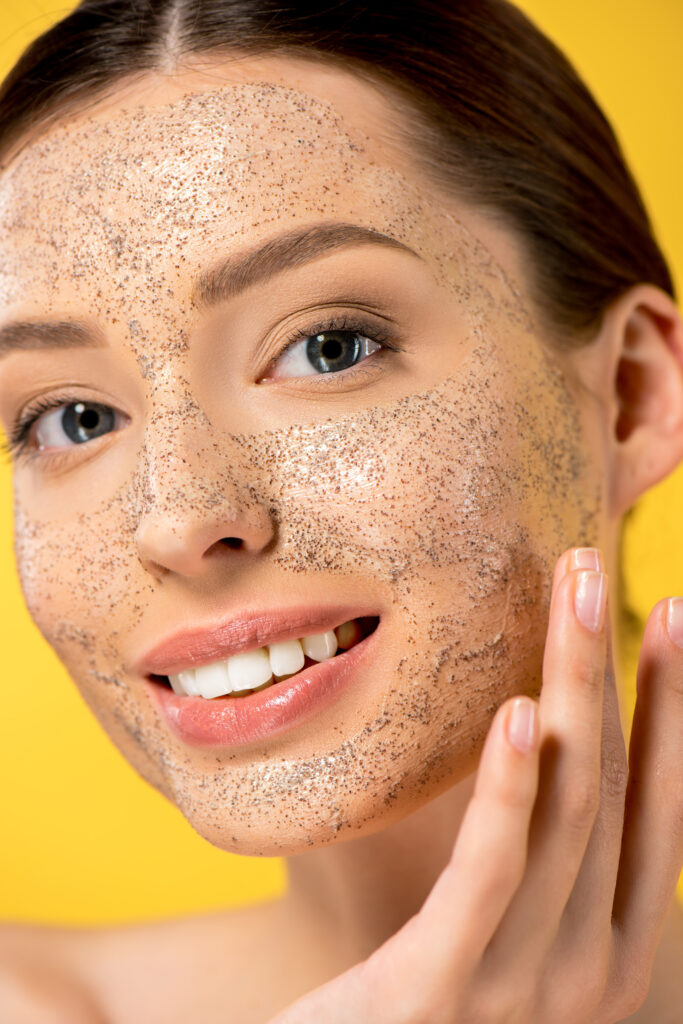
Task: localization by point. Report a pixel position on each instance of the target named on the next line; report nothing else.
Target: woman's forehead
(197, 137)
(157, 183)
(257, 148)
(125, 204)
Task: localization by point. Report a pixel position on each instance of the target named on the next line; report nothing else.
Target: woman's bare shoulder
(38, 983)
(153, 971)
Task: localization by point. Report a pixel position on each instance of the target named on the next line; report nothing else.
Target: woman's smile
(255, 715)
(244, 656)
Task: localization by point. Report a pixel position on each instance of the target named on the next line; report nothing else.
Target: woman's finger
(571, 728)
(465, 906)
(652, 847)
(421, 971)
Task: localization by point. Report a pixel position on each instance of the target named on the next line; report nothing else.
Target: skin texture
(436, 482)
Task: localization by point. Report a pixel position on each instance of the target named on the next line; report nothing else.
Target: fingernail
(522, 730)
(587, 558)
(590, 600)
(674, 620)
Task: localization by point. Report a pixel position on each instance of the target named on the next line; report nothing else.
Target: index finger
(573, 693)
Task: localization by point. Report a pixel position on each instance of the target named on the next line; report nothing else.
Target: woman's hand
(552, 904)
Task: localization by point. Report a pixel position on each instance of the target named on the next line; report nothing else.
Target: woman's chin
(276, 835)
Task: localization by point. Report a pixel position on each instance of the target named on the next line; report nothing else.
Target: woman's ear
(643, 331)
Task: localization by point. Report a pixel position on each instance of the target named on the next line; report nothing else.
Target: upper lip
(201, 645)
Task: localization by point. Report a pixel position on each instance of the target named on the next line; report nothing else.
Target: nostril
(232, 542)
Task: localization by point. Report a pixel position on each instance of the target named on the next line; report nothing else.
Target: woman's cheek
(79, 585)
(444, 479)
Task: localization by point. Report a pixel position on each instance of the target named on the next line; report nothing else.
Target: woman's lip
(191, 648)
(240, 721)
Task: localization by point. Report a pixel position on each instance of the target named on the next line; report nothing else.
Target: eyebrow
(219, 283)
(292, 249)
(25, 335)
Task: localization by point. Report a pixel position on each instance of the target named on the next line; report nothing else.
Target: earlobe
(647, 432)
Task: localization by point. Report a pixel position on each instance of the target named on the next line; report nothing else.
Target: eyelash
(341, 323)
(16, 446)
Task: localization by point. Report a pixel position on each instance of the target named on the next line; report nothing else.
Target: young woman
(335, 345)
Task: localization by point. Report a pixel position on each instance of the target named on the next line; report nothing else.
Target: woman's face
(429, 475)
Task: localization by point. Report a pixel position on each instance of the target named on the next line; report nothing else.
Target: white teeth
(249, 670)
(188, 682)
(286, 657)
(212, 680)
(253, 670)
(175, 685)
(320, 646)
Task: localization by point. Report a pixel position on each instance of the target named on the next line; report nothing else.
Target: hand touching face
(553, 902)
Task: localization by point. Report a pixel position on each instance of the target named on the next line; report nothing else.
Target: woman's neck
(356, 894)
(350, 898)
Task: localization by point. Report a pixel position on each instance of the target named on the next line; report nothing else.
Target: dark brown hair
(490, 105)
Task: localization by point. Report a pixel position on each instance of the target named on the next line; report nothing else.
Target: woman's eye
(326, 352)
(77, 422)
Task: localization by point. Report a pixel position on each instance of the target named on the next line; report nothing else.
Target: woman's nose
(194, 509)
(196, 493)
(189, 541)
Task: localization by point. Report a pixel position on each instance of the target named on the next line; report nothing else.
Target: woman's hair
(490, 107)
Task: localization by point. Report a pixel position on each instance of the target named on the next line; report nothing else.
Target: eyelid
(352, 321)
(17, 444)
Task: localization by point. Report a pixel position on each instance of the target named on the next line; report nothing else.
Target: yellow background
(82, 838)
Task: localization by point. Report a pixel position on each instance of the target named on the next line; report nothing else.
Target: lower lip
(240, 721)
